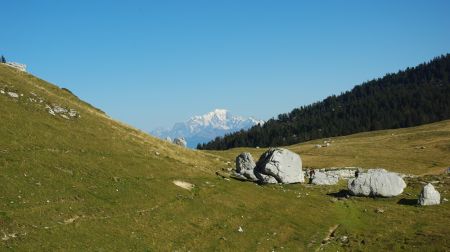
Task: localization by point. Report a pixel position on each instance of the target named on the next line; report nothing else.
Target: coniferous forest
(408, 98)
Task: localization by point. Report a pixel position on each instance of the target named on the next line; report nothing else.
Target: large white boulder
(377, 182)
(322, 178)
(245, 166)
(429, 196)
(283, 165)
(180, 141)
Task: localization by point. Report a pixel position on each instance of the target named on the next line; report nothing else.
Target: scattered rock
(379, 210)
(71, 220)
(18, 66)
(183, 184)
(180, 141)
(50, 110)
(245, 166)
(322, 178)
(13, 95)
(282, 164)
(240, 230)
(344, 239)
(377, 182)
(168, 139)
(429, 196)
(73, 113)
(318, 146)
(59, 109)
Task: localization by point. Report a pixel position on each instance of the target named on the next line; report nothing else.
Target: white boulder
(180, 141)
(13, 95)
(322, 178)
(377, 182)
(429, 196)
(283, 165)
(245, 166)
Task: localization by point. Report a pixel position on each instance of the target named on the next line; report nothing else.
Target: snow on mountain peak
(200, 129)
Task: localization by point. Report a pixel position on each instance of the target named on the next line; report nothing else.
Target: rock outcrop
(429, 196)
(377, 182)
(245, 166)
(283, 165)
(19, 66)
(180, 141)
(322, 178)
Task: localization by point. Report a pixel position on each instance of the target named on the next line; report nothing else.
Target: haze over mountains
(204, 128)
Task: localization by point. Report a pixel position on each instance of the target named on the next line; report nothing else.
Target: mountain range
(204, 128)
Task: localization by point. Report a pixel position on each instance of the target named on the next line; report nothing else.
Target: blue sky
(153, 63)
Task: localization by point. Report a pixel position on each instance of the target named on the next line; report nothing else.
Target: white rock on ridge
(73, 113)
(19, 66)
(168, 139)
(59, 109)
(282, 164)
(13, 95)
(429, 196)
(180, 141)
(377, 182)
(322, 178)
(245, 166)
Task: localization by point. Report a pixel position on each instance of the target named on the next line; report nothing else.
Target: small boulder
(265, 179)
(322, 178)
(429, 196)
(245, 166)
(13, 95)
(283, 165)
(377, 182)
(180, 141)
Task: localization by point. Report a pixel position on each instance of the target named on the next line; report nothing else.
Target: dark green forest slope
(408, 98)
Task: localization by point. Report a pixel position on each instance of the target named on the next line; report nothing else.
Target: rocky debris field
(32, 98)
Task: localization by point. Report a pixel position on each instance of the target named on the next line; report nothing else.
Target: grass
(93, 183)
(422, 150)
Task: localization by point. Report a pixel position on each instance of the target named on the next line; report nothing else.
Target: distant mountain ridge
(412, 97)
(204, 128)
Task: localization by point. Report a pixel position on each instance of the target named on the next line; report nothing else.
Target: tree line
(411, 97)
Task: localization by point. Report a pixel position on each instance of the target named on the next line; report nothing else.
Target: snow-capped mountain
(202, 129)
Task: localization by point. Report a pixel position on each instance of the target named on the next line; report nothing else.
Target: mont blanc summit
(203, 128)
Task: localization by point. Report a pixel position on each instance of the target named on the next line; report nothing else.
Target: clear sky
(153, 63)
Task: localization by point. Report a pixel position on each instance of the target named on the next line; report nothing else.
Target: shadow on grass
(407, 202)
(341, 194)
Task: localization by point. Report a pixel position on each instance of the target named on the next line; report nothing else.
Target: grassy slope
(96, 184)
